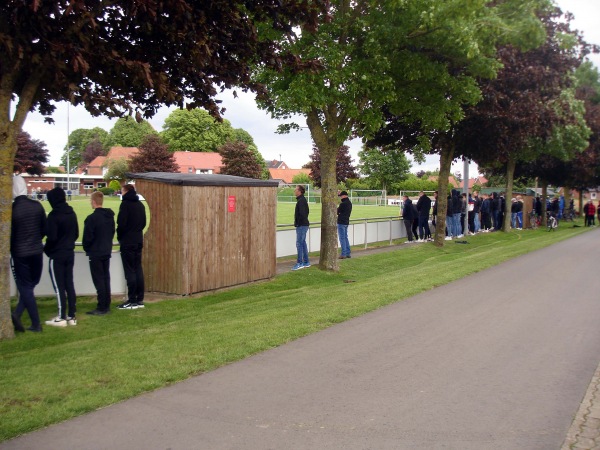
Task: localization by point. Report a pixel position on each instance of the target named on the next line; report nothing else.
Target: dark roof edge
(190, 179)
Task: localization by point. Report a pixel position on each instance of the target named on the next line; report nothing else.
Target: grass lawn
(62, 373)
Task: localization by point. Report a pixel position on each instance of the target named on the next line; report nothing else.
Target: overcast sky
(293, 148)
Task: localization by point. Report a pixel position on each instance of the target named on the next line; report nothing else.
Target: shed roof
(191, 179)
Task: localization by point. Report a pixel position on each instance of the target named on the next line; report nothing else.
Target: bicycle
(569, 214)
(534, 220)
(551, 222)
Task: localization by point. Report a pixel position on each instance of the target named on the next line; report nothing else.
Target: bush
(107, 191)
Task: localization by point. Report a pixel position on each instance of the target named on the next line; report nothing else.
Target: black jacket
(98, 232)
(62, 228)
(301, 212)
(456, 202)
(423, 205)
(408, 213)
(131, 219)
(28, 227)
(343, 211)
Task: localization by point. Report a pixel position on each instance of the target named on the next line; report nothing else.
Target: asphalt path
(498, 360)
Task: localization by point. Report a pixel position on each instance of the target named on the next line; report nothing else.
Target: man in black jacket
(301, 223)
(98, 232)
(343, 221)
(423, 208)
(28, 228)
(408, 216)
(62, 232)
(130, 234)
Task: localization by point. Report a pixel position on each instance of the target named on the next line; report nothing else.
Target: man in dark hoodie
(98, 232)
(408, 216)
(302, 224)
(130, 234)
(28, 228)
(62, 232)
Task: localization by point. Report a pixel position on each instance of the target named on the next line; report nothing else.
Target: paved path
(498, 360)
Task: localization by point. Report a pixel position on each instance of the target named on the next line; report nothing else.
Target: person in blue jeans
(343, 220)
(301, 223)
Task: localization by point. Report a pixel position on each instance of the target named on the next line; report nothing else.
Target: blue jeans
(476, 222)
(457, 226)
(513, 220)
(344, 242)
(301, 246)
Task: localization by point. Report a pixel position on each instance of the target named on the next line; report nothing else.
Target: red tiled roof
(95, 166)
(286, 174)
(198, 161)
(122, 152)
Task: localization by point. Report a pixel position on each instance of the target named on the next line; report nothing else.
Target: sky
(293, 148)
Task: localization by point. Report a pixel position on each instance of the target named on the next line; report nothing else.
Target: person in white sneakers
(62, 230)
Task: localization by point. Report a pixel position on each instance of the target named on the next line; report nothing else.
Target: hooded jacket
(301, 212)
(456, 202)
(131, 219)
(98, 232)
(62, 229)
(28, 225)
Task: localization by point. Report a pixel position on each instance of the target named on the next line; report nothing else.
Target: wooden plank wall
(162, 258)
(195, 244)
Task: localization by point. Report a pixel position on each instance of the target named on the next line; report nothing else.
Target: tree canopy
(239, 160)
(128, 132)
(195, 130)
(154, 156)
(77, 143)
(31, 156)
(344, 168)
(383, 168)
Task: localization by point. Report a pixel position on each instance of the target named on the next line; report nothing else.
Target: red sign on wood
(231, 203)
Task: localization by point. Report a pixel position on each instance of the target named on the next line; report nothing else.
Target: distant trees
(239, 160)
(195, 130)
(31, 155)
(77, 143)
(154, 156)
(344, 168)
(128, 132)
(384, 167)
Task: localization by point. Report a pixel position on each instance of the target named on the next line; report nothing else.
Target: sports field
(285, 211)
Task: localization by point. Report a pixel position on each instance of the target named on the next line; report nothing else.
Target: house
(198, 162)
(285, 176)
(276, 165)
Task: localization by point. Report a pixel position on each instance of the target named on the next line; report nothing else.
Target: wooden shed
(207, 231)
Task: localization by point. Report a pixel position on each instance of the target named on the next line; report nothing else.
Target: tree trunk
(510, 174)
(328, 145)
(446, 156)
(544, 200)
(567, 195)
(8, 148)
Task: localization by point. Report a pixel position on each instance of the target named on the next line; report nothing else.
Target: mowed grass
(285, 211)
(62, 373)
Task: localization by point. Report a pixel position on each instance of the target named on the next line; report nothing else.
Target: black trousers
(408, 225)
(131, 255)
(28, 271)
(61, 274)
(100, 270)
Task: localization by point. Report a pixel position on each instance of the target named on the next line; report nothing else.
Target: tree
(114, 185)
(92, 151)
(117, 168)
(529, 111)
(240, 161)
(301, 178)
(418, 57)
(31, 155)
(384, 168)
(128, 132)
(195, 130)
(343, 165)
(241, 135)
(154, 156)
(127, 58)
(77, 143)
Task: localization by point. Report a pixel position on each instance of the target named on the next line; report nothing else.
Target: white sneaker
(460, 236)
(71, 321)
(448, 238)
(56, 322)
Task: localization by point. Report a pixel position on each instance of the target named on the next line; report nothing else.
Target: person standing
(423, 209)
(301, 223)
(62, 232)
(589, 211)
(28, 228)
(476, 212)
(130, 234)
(343, 221)
(98, 232)
(408, 217)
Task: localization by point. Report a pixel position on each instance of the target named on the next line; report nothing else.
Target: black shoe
(141, 305)
(37, 329)
(128, 305)
(17, 323)
(97, 312)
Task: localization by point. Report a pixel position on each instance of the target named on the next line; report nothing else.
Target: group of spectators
(30, 225)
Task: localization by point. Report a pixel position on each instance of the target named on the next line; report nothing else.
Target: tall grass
(61, 373)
